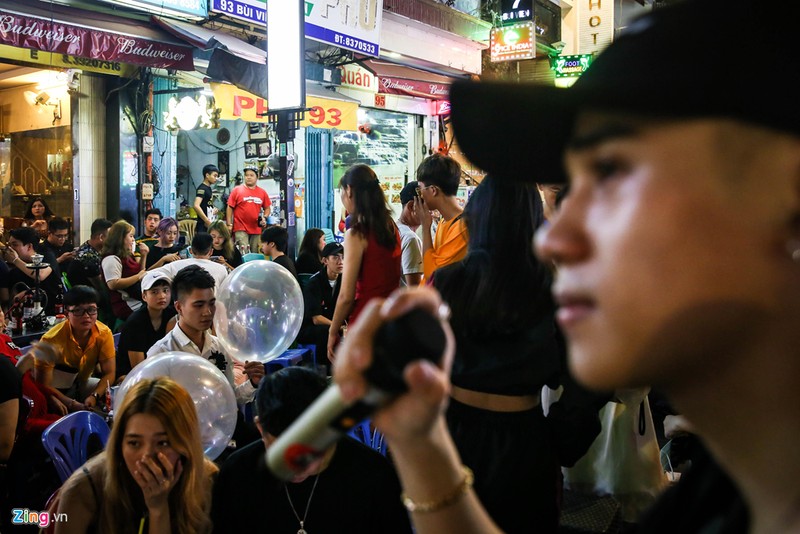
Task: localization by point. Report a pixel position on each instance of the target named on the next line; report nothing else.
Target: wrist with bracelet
(450, 499)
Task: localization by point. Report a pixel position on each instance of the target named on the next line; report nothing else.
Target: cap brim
(514, 131)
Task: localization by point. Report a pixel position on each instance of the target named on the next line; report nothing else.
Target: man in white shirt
(411, 244)
(193, 291)
(202, 248)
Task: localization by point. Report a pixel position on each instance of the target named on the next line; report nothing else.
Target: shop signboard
(516, 10)
(355, 76)
(235, 103)
(65, 61)
(194, 9)
(571, 66)
(351, 24)
(24, 31)
(512, 43)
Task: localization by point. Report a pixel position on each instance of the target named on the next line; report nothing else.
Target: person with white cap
(678, 253)
(146, 325)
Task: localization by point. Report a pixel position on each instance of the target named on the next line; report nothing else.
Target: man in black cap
(678, 255)
(319, 296)
(411, 244)
(246, 211)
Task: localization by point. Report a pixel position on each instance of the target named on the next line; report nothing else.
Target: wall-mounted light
(189, 113)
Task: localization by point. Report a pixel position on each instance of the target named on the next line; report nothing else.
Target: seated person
(85, 269)
(193, 294)
(351, 489)
(152, 218)
(274, 242)
(147, 325)
(58, 243)
(40, 417)
(202, 249)
(37, 214)
(68, 353)
(19, 253)
(319, 296)
(152, 475)
(166, 248)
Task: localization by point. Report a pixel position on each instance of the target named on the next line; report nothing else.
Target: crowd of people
(660, 249)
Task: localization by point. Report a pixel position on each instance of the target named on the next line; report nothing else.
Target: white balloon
(259, 311)
(210, 390)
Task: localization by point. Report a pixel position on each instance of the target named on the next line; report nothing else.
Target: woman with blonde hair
(224, 250)
(152, 476)
(122, 271)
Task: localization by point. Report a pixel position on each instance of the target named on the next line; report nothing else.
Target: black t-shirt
(138, 335)
(358, 492)
(55, 251)
(308, 263)
(234, 262)
(319, 298)
(156, 253)
(10, 381)
(286, 261)
(205, 193)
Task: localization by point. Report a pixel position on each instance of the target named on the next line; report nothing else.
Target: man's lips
(573, 308)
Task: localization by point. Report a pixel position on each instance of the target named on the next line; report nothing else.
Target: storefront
(56, 64)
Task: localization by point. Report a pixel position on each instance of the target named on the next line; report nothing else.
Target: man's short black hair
(78, 295)
(202, 243)
(190, 278)
(208, 169)
(278, 235)
(26, 235)
(153, 211)
(99, 226)
(284, 395)
(57, 224)
(442, 171)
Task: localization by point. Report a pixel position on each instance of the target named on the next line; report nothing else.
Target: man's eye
(606, 168)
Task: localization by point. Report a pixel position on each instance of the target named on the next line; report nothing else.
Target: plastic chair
(250, 256)
(369, 436)
(68, 440)
(187, 227)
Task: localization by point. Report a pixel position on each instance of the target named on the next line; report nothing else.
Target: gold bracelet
(450, 499)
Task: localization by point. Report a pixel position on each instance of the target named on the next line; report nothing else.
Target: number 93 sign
(235, 103)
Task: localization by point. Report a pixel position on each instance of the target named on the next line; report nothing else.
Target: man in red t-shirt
(245, 205)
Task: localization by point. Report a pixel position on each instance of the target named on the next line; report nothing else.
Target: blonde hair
(114, 245)
(190, 499)
(227, 245)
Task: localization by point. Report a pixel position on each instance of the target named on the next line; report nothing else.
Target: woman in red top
(372, 244)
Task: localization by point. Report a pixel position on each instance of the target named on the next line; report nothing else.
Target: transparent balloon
(259, 311)
(210, 390)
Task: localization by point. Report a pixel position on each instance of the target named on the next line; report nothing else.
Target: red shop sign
(400, 86)
(53, 36)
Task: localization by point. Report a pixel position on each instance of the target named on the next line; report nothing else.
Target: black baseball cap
(695, 59)
(331, 249)
(408, 192)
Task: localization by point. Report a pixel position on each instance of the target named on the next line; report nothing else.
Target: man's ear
(178, 307)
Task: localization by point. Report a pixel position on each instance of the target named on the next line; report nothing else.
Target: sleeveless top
(379, 274)
(119, 305)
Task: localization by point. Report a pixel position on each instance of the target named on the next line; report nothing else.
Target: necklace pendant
(302, 531)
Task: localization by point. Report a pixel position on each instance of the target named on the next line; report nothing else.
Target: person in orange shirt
(438, 178)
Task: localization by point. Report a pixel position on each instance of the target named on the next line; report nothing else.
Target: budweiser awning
(402, 80)
(88, 34)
